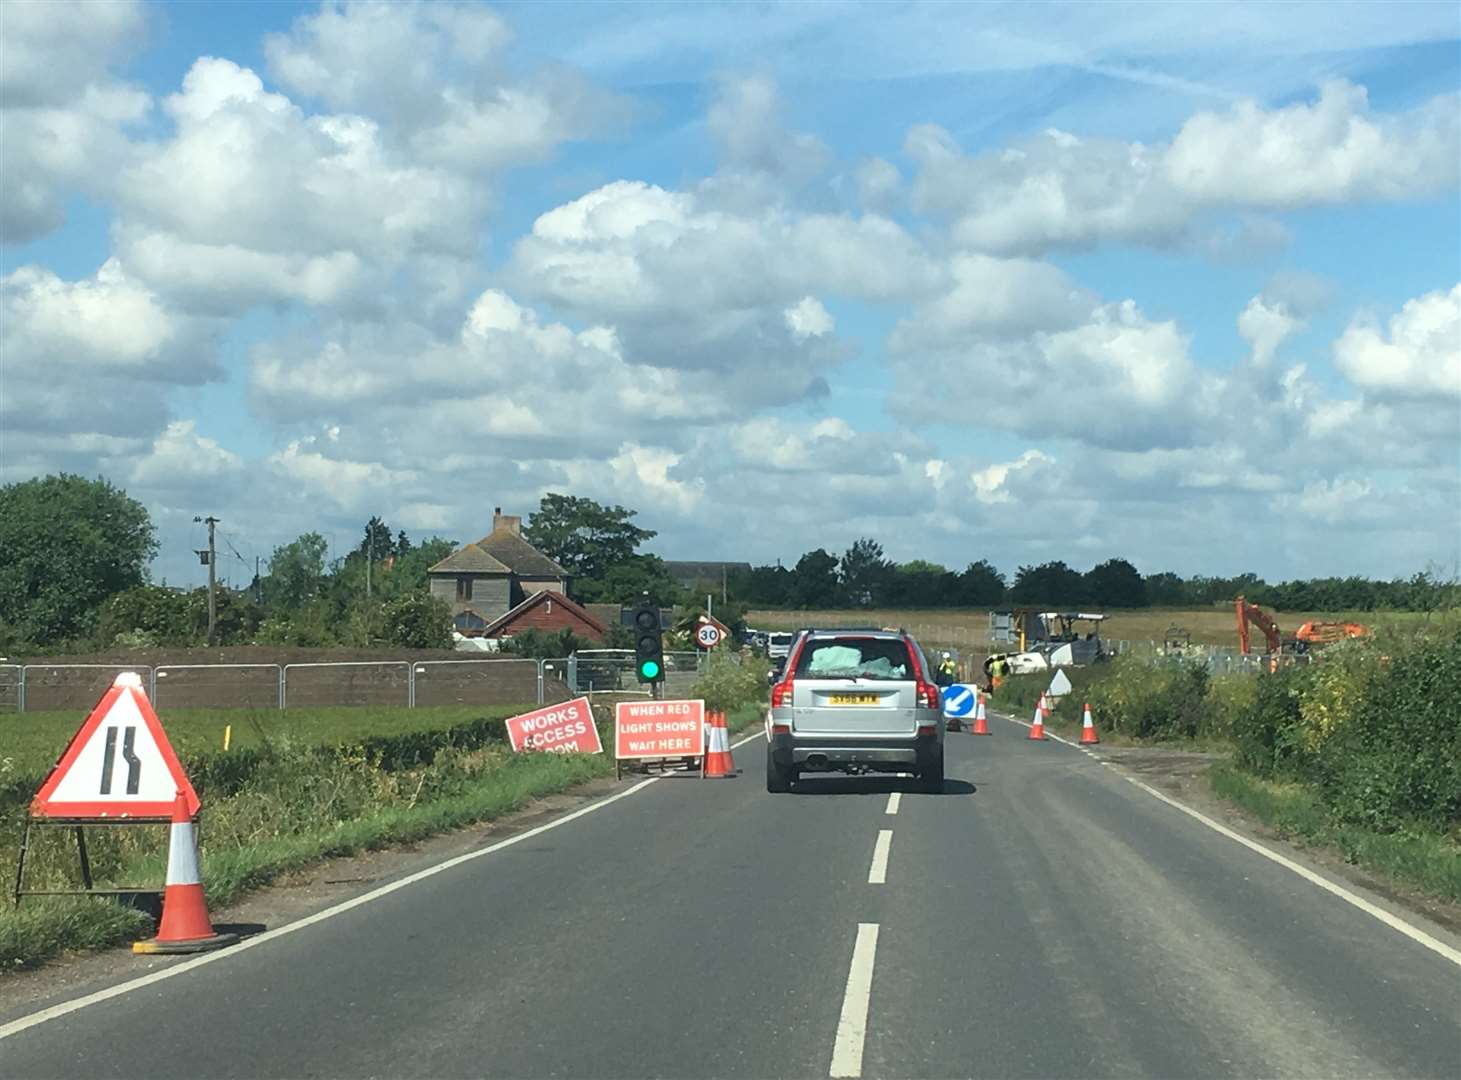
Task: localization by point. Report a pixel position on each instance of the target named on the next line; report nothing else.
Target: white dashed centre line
(893, 799)
(852, 1025)
(878, 873)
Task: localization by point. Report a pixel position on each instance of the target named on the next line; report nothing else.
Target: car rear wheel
(932, 777)
(778, 780)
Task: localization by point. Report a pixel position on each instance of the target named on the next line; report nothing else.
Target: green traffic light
(649, 669)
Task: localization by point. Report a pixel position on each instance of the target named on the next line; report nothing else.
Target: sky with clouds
(1178, 283)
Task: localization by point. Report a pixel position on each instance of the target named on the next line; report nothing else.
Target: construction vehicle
(1326, 633)
(1309, 635)
(1046, 639)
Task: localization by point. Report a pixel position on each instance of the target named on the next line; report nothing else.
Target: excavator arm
(1252, 613)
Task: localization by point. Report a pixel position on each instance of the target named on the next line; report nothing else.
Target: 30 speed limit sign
(707, 636)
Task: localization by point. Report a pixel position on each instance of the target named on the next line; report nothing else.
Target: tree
(296, 572)
(417, 621)
(814, 581)
(586, 539)
(921, 583)
(1048, 583)
(1167, 590)
(69, 543)
(626, 582)
(764, 586)
(377, 542)
(864, 572)
(981, 585)
(403, 545)
(1116, 583)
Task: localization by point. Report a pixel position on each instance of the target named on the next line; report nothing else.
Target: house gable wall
(491, 594)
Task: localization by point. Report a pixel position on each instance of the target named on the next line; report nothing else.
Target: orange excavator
(1252, 613)
(1307, 635)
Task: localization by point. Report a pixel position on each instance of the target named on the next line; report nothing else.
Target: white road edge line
(894, 798)
(1395, 922)
(54, 1012)
(852, 1024)
(878, 873)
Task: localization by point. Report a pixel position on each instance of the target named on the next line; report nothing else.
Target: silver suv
(857, 701)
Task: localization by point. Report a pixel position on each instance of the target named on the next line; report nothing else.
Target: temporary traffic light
(649, 650)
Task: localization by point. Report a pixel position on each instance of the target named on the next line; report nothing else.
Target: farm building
(486, 580)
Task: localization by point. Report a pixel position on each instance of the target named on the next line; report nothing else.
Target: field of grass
(968, 628)
(31, 742)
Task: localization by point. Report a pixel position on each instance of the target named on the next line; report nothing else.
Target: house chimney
(506, 522)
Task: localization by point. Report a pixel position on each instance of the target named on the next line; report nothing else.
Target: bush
(417, 620)
(535, 644)
(731, 680)
(1266, 736)
(1146, 702)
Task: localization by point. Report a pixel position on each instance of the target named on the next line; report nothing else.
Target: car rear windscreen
(854, 658)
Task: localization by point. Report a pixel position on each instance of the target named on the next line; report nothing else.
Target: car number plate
(853, 699)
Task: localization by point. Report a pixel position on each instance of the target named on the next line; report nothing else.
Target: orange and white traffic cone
(1044, 707)
(1037, 729)
(718, 760)
(981, 725)
(1088, 728)
(185, 927)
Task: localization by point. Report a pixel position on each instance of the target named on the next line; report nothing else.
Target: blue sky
(1177, 283)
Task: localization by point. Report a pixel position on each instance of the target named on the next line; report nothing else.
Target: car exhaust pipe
(816, 761)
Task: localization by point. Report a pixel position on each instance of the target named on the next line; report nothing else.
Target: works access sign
(659, 729)
(561, 729)
(119, 765)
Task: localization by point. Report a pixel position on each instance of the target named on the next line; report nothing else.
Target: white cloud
(746, 121)
(436, 76)
(1056, 190)
(1266, 325)
(879, 184)
(110, 322)
(1115, 380)
(1306, 154)
(253, 199)
(992, 483)
(180, 455)
(808, 318)
(1420, 357)
(62, 112)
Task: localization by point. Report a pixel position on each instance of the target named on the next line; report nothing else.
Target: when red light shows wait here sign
(659, 729)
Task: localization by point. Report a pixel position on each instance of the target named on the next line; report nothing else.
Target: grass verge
(472, 785)
(1426, 860)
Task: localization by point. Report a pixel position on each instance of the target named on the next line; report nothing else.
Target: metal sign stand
(87, 889)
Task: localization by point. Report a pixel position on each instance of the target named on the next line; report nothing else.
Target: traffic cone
(1088, 728)
(185, 927)
(1037, 729)
(1044, 707)
(981, 725)
(718, 760)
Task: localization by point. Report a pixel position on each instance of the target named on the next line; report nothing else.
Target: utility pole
(369, 557)
(212, 579)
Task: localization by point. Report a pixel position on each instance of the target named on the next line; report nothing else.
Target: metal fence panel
(475, 682)
(58, 687)
(12, 688)
(217, 686)
(365, 682)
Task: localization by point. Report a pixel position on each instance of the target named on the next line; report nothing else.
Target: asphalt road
(1042, 918)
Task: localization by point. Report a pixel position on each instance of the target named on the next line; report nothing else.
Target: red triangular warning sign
(119, 765)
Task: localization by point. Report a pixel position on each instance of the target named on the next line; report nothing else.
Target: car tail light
(781, 729)
(929, 696)
(781, 695)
